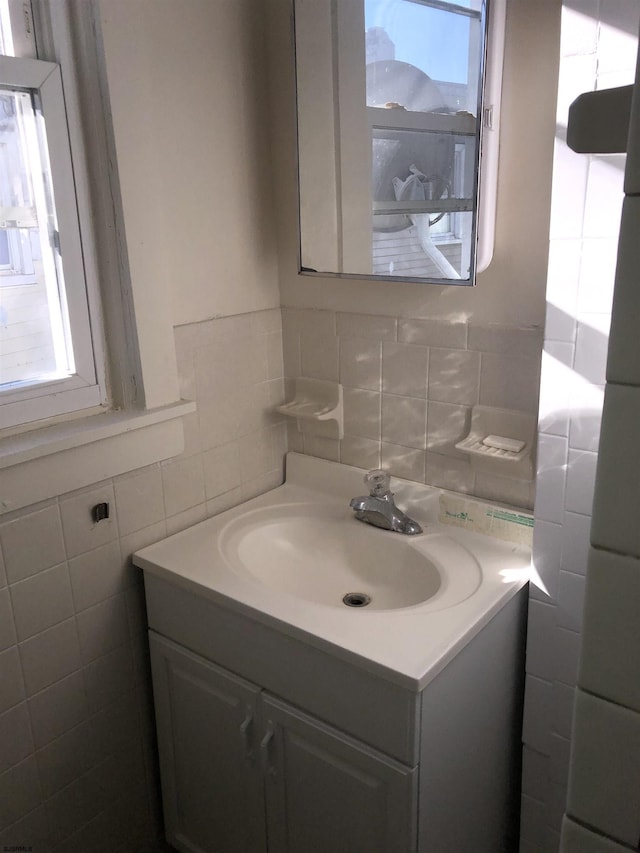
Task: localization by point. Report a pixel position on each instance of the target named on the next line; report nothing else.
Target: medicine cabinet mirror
(393, 115)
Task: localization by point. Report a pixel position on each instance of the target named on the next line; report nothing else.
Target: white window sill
(47, 462)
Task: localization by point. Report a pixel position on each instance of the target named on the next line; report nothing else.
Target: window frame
(24, 403)
(141, 424)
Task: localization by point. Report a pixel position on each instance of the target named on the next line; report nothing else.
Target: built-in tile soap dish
(317, 406)
(501, 442)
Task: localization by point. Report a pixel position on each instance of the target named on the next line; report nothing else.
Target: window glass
(35, 343)
(436, 39)
(422, 59)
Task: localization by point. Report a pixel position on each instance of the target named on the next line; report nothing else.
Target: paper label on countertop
(508, 525)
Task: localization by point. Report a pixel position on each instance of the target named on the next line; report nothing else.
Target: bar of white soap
(501, 442)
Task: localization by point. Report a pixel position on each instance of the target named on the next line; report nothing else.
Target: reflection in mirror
(389, 99)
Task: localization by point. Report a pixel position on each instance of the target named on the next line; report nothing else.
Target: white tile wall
(11, 678)
(605, 783)
(409, 385)
(550, 482)
(17, 742)
(598, 258)
(50, 656)
(509, 381)
(361, 363)
(535, 769)
(603, 206)
(404, 421)
(77, 760)
(570, 170)
(41, 601)
(447, 424)
(360, 452)
(541, 625)
(495, 488)
(579, 839)
(563, 275)
(586, 415)
(139, 499)
(570, 601)
(575, 542)
(547, 550)
(566, 645)
(19, 791)
(611, 647)
(319, 355)
(447, 472)
(433, 333)
(586, 204)
(623, 364)
(632, 171)
(532, 818)
(32, 543)
(404, 369)
(403, 462)
(591, 346)
(555, 395)
(374, 327)
(537, 714)
(454, 376)
(362, 413)
(615, 522)
(57, 709)
(562, 713)
(99, 574)
(81, 534)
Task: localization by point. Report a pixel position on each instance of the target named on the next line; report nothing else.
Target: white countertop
(409, 646)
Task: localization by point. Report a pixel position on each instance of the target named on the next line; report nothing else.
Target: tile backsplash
(409, 386)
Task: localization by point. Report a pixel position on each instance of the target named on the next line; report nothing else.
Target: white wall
(188, 94)
(598, 51)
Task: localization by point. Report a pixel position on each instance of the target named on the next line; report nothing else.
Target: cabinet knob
(265, 748)
(245, 727)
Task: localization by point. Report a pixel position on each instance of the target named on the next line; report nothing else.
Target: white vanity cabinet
(240, 766)
(274, 743)
(206, 723)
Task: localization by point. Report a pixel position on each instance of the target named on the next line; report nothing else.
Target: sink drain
(357, 599)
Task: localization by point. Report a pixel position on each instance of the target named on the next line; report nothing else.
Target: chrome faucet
(379, 508)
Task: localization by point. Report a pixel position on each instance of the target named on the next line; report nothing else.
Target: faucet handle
(378, 482)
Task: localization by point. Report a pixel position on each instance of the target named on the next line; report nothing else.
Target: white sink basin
(288, 557)
(321, 553)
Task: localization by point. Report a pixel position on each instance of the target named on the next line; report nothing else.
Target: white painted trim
(64, 436)
(49, 402)
(490, 136)
(45, 463)
(40, 400)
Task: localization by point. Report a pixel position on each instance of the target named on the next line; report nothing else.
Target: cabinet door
(327, 793)
(212, 788)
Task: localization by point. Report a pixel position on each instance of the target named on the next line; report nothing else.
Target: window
(63, 242)
(48, 363)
